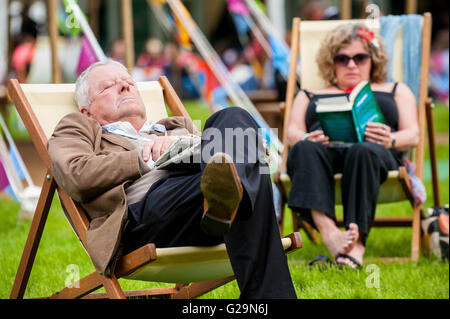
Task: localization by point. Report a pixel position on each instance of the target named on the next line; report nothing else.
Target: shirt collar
(126, 129)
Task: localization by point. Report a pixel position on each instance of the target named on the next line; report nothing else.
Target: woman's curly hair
(341, 37)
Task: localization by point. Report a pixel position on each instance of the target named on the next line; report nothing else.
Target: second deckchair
(306, 39)
(194, 270)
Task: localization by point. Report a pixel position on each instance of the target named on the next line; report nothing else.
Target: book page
(337, 103)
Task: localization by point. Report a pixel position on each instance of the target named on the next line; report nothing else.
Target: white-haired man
(100, 157)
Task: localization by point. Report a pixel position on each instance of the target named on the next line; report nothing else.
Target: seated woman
(346, 57)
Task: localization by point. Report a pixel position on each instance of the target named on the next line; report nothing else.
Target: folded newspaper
(185, 150)
(188, 150)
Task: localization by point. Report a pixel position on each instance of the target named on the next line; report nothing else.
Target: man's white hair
(82, 86)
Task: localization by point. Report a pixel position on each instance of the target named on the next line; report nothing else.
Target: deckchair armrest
(296, 242)
(132, 261)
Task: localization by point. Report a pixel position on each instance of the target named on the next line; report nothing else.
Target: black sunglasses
(343, 59)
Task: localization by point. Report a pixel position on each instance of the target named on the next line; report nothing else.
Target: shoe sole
(220, 178)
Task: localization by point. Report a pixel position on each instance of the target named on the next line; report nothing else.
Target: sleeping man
(103, 157)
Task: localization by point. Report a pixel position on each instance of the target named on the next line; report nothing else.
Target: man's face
(114, 97)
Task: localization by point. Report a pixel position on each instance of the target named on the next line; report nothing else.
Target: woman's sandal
(321, 262)
(357, 264)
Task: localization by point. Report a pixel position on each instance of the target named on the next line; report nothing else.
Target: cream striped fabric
(50, 102)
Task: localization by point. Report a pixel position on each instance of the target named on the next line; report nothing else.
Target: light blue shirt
(127, 130)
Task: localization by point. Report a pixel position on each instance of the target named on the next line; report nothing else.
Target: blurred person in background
(318, 10)
(117, 52)
(439, 69)
(25, 40)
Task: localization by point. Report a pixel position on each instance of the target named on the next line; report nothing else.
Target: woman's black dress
(364, 167)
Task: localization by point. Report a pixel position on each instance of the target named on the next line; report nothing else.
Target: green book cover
(344, 119)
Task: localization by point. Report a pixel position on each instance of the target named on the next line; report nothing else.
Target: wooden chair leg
(163, 293)
(199, 288)
(112, 287)
(34, 237)
(81, 288)
(311, 232)
(415, 240)
(91, 283)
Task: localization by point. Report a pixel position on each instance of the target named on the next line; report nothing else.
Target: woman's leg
(365, 168)
(311, 167)
(337, 241)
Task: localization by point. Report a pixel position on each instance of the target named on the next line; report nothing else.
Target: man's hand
(156, 147)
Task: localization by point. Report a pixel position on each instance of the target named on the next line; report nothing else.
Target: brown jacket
(94, 167)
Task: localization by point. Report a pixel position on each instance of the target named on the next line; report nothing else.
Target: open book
(344, 119)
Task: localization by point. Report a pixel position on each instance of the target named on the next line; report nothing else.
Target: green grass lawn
(441, 118)
(60, 251)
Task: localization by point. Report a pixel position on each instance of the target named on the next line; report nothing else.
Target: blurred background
(151, 41)
(42, 42)
(25, 32)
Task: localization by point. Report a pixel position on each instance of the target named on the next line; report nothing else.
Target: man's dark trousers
(170, 213)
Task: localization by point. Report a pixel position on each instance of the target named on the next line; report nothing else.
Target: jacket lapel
(118, 140)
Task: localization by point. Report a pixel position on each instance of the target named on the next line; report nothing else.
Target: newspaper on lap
(185, 150)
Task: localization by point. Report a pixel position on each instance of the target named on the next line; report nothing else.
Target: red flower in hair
(368, 36)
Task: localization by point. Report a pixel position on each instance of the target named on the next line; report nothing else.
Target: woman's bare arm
(407, 135)
(296, 123)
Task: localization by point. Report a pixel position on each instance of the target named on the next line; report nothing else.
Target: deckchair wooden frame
(80, 222)
(400, 176)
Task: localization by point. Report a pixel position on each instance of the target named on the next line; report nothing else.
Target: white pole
(14, 149)
(276, 13)
(3, 40)
(259, 36)
(79, 16)
(11, 174)
(263, 20)
(168, 28)
(160, 16)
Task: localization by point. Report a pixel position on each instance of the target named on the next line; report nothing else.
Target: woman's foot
(353, 257)
(337, 241)
(341, 242)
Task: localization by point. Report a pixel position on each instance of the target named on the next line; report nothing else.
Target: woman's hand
(378, 133)
(157, 147)
(319, 137)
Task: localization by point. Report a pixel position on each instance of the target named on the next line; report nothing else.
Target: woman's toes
(353, 229)
(345, 262)
(352, 234)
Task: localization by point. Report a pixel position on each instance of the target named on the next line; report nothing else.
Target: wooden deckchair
(195, 270)
(305, 41)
